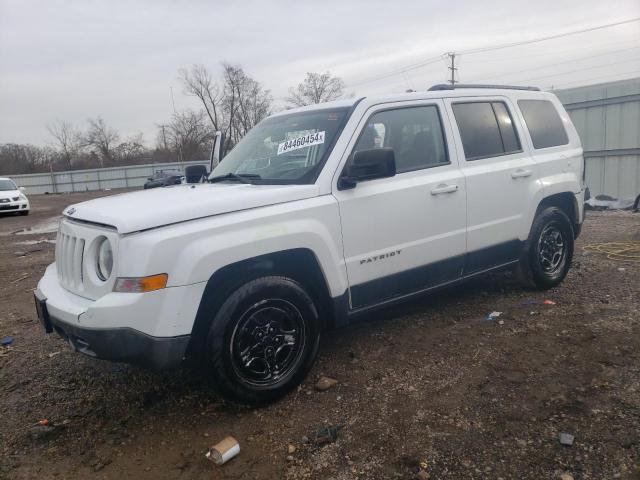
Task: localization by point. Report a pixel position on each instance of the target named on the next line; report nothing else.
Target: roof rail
(446, 86)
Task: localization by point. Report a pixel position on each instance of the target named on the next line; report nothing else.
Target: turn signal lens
(141, 284)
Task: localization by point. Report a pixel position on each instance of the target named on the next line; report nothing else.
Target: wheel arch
(299, 264)
(565, 201)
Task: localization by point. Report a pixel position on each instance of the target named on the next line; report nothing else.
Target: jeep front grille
(69, 255)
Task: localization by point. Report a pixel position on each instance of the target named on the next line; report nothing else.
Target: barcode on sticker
(301, 142)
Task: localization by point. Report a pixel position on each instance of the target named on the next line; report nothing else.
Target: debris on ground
(44, 421)
(549, 302)
(19, 279)
(423, 475)
(6, 341)
(291, 449)
(325, 383)
(53, 354)
(43, 431)
(566, 476)
(223, 451)
(566, 439)
(326, 435)
(493, 315)
(530, 301)
(605, 202)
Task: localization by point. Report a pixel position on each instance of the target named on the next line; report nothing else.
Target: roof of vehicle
(440, 92)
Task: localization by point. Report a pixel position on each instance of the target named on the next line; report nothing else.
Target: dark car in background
(164, 178)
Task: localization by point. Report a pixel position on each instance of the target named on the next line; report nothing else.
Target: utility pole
(452, 57)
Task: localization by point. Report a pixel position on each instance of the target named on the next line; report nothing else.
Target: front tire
(548, 250)
(263, 340)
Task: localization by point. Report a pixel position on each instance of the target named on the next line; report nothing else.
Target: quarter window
(544, 123)
(486, 129)
(414, 133)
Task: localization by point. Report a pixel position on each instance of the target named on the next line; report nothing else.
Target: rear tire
(263, 340)
(548, 250)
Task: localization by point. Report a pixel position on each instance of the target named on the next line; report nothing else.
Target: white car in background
(12, 198)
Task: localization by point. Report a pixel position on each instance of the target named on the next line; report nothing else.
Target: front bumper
(150, 329)
(124, 345)
(19, 206)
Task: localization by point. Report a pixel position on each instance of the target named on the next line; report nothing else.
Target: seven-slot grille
(69, 256)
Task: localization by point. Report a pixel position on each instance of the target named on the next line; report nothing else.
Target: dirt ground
(429, 388)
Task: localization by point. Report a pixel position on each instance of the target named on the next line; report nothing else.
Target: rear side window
(486, 129)
(544, 123)
(414, 133)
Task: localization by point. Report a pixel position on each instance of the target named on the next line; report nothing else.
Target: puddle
(35, 242)
(48, 226)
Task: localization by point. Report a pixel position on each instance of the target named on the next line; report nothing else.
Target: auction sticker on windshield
(301, 142)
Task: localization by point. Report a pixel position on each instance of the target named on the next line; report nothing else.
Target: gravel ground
(426, 390)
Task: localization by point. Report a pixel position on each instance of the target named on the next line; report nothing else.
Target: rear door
(405, 233)
(500, 176)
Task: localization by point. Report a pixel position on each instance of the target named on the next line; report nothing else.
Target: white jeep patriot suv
(317, 216)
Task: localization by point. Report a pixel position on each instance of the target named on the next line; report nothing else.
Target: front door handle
(444, 188)
(521, 173)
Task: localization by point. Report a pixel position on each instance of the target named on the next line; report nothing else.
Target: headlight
(104, 260)
(23, 196)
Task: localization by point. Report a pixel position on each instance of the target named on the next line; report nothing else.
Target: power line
(579, 70)
(393, 73)
(550, 37)
(502, 75)
(555, 53)
(432, 60)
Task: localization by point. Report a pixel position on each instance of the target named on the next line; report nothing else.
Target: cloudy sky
(68, 59)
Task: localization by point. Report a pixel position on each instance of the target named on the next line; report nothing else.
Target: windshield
(6, 185)
(284, 149)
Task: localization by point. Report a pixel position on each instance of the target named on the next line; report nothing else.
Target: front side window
(486, 129)
(284, 149)
(414, 133)
(7, 185)
(544, 123)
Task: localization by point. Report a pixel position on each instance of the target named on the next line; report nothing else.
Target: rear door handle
(520, 173)
(443, 188)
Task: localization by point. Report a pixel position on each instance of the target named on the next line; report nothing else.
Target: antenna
(173, 104)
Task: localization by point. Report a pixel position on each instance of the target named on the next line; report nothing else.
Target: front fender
(191, 252)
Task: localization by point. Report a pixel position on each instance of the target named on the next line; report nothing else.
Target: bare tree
(102, 138)
(246, 102)
(188, 133)
(235, 105)
(198, 82)
(131, 150)
(316, 88)
(67, 140)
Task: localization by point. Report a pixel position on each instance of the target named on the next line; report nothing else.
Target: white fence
(95, 179)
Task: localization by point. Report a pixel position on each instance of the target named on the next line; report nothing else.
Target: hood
(144, 209)
(10, 193)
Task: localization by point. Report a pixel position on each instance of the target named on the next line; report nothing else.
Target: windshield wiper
(237, 177)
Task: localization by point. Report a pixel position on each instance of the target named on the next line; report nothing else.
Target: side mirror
(22, 189)
(368, 165)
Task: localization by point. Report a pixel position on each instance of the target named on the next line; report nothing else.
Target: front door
(406, 233)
